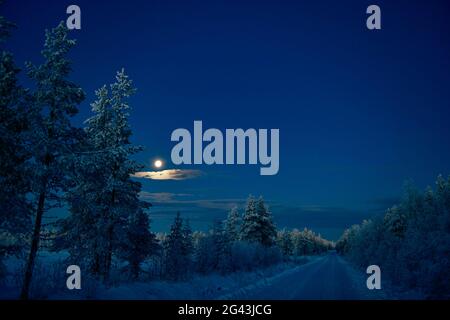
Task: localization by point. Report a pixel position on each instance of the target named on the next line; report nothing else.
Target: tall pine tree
(174, 259)
(14, 174)
(232, 225)
(178, 248)
(54, 102)
(257, 225)
(138, 243)
(104, 203)
(268, 231)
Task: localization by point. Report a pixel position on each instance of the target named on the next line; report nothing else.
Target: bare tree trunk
(109, 254)
(34, 248)
(110, 238)
(134, 270)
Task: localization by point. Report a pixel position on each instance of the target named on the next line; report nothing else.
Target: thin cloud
(162, 197)
(169, 174)
(168, 199)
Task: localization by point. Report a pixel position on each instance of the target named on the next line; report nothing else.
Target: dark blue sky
(359, 111)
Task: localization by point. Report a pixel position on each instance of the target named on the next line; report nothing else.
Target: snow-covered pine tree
(257, 223)
(85, 229)
(86, 198)
(250, 222)
(233, 225)
(395, 221)
(52, 137)
(188, 243)
(105, 199)
(219, 246)
(285, 242)
(14, 207)
(139, 243)
(202, 256)
(212, 251)
(268, 229)
(175, 252)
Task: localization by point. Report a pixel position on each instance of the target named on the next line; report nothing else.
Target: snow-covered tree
(395, 221)
(410, 242)
(139, 243)
(15, 208)
(52, 137)
(306, 242)
(268, 229)
(202, 258)
(250, 219)
(104, 199)
(257, 225)
(220, 250)
(233, 225)
(177, 248)
(285, 243)
(188, 245)
(213, 250)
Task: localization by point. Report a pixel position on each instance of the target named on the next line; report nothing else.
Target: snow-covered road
(328, 277)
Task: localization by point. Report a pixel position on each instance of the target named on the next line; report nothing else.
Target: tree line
(410, 242)
(239, 243)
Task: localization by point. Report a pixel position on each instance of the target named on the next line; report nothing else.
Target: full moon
(158, 164)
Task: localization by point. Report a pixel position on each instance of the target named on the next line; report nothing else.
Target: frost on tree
(284, 241)
(139, 243)
(233, 225)
(14, 206)
(53, 138)
(257, 225)
(410, 243)
(107, 219)
(178, 250)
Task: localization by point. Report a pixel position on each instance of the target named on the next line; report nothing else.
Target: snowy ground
(324, 277)
(200, 287)
(50, 283)
(327, 277)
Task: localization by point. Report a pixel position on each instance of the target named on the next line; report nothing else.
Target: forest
(48, 163)
(410, 242)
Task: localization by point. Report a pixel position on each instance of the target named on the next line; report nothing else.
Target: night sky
(359, 111)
